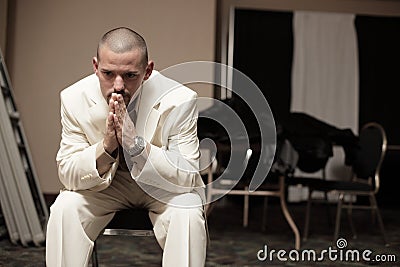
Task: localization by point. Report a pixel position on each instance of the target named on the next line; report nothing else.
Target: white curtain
(325, 75)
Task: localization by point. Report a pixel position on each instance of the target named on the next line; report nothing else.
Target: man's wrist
(111, 150)
(104, 160)
(138, 146)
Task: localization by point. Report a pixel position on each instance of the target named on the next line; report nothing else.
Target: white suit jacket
(167, 119)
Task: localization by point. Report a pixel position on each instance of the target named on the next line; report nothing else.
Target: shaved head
(121, 40)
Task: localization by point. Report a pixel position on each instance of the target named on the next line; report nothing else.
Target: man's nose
(119, 84)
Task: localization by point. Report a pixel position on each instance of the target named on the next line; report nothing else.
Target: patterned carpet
(233, 245)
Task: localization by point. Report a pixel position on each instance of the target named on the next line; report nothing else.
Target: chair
(130, 222)
(224, 184)
(313, 171)
(365, 179)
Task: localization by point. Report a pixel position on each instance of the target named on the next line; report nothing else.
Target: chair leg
(307, 217)
(338, 217)
(374, 205)
(95, 262)
(328, 209)
(246, 209)
(286, 213)
(350, 218)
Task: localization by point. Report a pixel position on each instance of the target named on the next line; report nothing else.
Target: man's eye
(130, 75)
(107, 73)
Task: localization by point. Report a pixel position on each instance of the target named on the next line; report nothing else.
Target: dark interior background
(263, 50)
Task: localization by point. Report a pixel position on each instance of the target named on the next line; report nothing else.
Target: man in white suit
(129, 138)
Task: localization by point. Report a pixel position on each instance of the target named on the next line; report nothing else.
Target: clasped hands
(120, 130)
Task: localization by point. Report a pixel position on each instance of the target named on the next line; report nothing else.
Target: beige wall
(51, 44)
(3, 25)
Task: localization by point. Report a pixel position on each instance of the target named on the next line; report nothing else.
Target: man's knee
(186, 201)
(67, 204)
(193, 216)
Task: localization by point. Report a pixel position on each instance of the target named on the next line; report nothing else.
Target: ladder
(22, 203)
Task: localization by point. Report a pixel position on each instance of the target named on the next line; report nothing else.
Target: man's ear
(149, 70)
(95, 64)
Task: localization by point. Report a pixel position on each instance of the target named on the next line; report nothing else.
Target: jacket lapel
(98, 110)
(98, 116)
(150, 112)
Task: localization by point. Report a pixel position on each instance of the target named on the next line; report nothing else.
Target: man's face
(121, 73)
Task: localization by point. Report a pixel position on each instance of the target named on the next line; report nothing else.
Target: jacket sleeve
(174, 166)
(76, 158)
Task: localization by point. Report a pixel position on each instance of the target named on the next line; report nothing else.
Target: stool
(129, 222)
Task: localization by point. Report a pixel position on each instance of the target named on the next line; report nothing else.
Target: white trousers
(78, 217)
